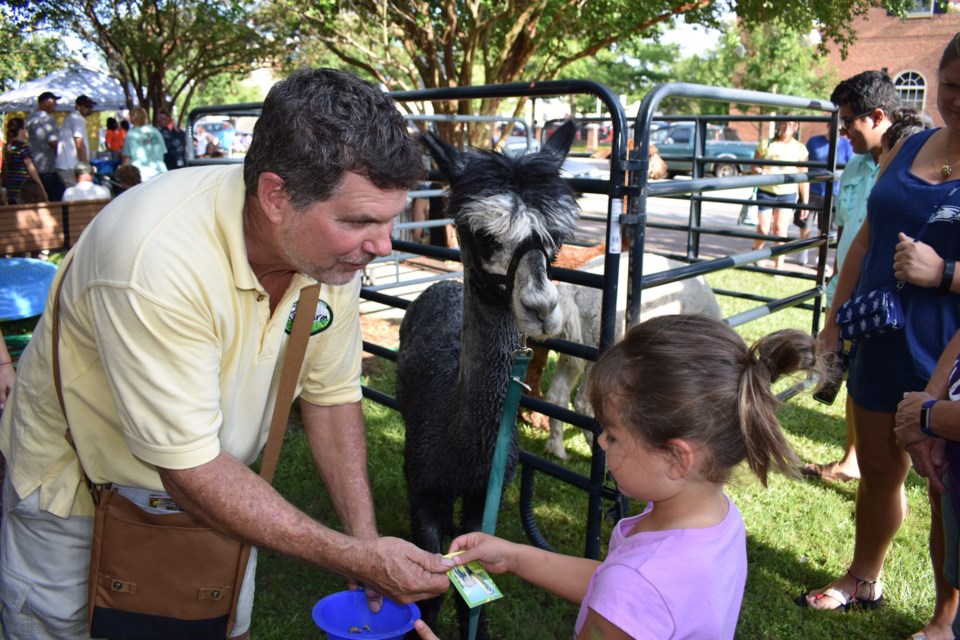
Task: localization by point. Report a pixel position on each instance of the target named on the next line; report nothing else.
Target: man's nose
(380, 243)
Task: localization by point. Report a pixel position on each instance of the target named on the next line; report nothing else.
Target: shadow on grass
(769, 611)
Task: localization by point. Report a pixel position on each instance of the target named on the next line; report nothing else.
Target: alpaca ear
(449, 160)
(559, 143)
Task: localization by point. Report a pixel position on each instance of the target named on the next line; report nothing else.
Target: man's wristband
(946, 280)
(925, 411)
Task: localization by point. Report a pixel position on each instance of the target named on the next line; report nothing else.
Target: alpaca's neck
(487, 341)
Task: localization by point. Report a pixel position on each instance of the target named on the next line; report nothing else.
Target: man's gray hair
(320, 123)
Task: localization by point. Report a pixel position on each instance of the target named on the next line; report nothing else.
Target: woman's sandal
(847, 601)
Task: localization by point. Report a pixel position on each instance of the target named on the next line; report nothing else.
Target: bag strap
(296, 348)
(292, 360)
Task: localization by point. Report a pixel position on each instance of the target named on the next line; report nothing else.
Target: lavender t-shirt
(682, 583)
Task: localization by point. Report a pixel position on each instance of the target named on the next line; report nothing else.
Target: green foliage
(27, 54)
(629, 69)
(443, 43)
(773, 57)
(226, 89)
(165, 48)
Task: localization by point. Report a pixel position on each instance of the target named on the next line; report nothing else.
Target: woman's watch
(925, 411)
(946, 280)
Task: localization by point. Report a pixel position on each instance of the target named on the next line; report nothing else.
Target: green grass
(800, 532)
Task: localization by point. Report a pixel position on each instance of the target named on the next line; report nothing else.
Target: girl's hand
(917, 263)
(424, 631)
(494, 553)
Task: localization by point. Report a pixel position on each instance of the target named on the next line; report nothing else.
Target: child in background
(682, 401)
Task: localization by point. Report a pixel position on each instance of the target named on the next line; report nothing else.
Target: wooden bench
(54, 226)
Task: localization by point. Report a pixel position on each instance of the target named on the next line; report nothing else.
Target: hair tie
(771, 367)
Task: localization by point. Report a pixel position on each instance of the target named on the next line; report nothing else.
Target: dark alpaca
(457, 340)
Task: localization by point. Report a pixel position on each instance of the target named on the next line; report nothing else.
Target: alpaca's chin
(533, 327)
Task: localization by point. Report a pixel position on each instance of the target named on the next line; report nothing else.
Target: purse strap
(292, 361)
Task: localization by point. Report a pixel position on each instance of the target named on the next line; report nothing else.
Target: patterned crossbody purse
(878, 311)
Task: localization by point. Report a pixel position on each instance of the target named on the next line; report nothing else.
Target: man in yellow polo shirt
(173, 324)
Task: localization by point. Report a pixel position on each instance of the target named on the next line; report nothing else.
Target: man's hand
(907, 427)
(917, 263)
(930, 460)
(402, 570)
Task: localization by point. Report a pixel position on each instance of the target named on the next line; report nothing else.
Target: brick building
(909, 50)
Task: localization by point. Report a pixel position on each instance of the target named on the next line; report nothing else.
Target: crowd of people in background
(43, 161)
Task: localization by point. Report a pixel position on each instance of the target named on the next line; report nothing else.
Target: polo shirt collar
(230, 200)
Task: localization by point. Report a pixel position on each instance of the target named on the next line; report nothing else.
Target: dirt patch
(384, 332)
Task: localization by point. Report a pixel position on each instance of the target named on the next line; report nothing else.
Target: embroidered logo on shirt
(946, 213)
(322, 318)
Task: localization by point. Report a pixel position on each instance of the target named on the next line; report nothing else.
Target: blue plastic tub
(346, 616)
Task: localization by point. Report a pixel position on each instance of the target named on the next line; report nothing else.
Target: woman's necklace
(947, 169)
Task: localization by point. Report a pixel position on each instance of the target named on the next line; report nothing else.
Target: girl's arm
(565, 576)
(596, 627)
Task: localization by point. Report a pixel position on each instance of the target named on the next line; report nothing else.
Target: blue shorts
(767, 201)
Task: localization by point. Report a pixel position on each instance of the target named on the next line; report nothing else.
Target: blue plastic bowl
(346, 616)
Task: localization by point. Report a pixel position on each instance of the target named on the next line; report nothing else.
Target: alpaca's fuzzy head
(512, 215)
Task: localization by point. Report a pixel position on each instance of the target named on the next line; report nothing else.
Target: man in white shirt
(44, 137)
(86, 188)
(73, 146)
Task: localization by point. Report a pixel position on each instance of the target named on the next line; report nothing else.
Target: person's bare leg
(940, 626)
(845, 468)
(763, 227)
(781, 227)
(881, 503)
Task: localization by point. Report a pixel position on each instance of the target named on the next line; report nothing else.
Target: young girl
(682, 401)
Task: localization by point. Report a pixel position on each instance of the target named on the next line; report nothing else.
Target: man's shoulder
(38, 117)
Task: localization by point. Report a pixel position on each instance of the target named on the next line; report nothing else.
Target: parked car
(675, 143)
(571, 168)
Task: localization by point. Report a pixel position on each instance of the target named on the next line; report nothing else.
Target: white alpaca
(581, 312)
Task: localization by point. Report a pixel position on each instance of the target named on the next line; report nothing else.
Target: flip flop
(846, 600)
(814, 470)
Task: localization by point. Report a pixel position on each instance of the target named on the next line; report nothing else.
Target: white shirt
(86, 191)
(74, 126)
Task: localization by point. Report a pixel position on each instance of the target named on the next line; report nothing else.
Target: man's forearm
(337, 438)
(230, 497)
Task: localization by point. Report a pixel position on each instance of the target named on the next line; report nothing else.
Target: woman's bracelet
(6, 362)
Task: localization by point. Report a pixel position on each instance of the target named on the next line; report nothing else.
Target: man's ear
(272, 196)
(680, 452)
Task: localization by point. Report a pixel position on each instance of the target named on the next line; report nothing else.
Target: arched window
(912, 89)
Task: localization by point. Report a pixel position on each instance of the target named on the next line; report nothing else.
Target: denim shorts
(767, 201)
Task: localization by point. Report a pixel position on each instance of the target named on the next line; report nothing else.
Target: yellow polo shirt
(168, 351)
